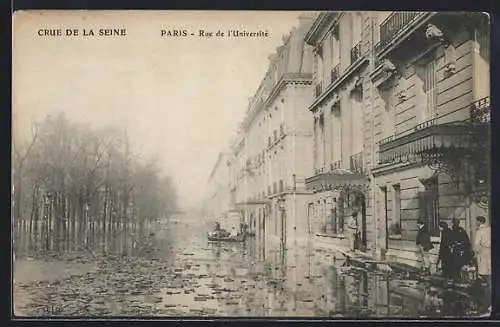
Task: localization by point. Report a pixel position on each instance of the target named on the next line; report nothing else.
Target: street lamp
(281, 204)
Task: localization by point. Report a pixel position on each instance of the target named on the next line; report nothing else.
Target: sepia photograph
(190, 164)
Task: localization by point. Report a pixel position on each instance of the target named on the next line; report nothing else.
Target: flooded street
(185, 275)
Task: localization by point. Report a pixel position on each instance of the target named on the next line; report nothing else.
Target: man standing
(352, 230)
(424, 245)
(460, 247)
(482, 247)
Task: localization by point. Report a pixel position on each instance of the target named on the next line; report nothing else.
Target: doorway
(360, 204)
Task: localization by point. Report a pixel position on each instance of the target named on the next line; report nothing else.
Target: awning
(430, 139)
(337, 179)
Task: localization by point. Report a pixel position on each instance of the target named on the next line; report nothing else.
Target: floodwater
(188, 276)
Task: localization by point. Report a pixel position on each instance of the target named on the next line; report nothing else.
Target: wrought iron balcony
(356, 163)
(394, 26)
(335, 73)
(318, 89)
(430, 140)
(355, 53)
(480, 111)
(336, 165)
(337, 178)
(318, 171)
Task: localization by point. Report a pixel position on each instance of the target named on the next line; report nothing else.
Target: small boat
(214, 238)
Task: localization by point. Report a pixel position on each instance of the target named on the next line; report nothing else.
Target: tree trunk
(104, 213)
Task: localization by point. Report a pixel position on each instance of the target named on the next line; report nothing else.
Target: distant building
(270, 155)
(218, 201)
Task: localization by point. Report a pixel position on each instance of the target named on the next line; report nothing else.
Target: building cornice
(320, 25)
(389, 168)
(217, 163)
(286, 79)
(351, 70)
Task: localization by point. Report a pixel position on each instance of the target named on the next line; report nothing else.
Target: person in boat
(234, 232)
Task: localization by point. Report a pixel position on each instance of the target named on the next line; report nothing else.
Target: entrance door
(310, 208)
(283, 228)
(263, 240)
(363, 224)
(361, 205)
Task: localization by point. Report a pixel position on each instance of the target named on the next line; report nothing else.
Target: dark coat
(424, 239)
(445, 246)
(460, 246)
(445, 253)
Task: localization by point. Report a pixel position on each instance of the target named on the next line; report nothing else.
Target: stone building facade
(429, 101)
(385, 114)
(339, 181)
(218, 201)
(401, 119)
(277, 132)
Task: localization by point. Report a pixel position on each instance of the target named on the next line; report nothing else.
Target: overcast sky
(180, 98)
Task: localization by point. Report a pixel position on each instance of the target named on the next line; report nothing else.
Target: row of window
(428, 204)
(276, 187)
(340, 49)
(333, 220)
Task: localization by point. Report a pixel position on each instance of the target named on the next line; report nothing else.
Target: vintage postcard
(251, 163)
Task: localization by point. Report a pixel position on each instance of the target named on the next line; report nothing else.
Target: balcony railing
(355, 53)
(318, 171)
(428, 138)
(480, 111)
(318, 89)
(335, 73)
(356, 163)
(393, 25)
(336, 165)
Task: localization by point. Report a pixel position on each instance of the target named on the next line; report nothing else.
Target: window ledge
(340, 236)
(395, 237)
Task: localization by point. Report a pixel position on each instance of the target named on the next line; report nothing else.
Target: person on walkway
(482, 248)
(445, 249)
(352, 231)
(234, 232)
(461, 249)
(424, 245)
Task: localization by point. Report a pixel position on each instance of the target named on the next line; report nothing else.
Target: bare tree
(84, 189)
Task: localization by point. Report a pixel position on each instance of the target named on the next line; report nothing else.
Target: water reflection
(245, 279)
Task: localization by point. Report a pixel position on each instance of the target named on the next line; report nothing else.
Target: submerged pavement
(185, 275)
